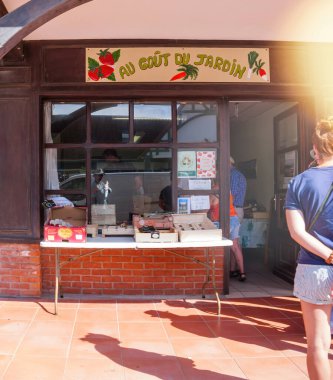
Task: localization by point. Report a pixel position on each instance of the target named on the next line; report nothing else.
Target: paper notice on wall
(186, 164)
(206, 164)
(200, 202)
(199, 184)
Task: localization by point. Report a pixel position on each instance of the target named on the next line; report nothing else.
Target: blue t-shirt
(306, 192)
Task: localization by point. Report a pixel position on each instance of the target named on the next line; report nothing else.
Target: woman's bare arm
(296, 226)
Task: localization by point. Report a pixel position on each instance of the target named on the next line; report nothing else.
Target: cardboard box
(153, 220)
(158, 236)
(76, 216)
(103, 214)
(196, 227)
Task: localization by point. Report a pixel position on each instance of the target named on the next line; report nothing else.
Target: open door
(287, 165)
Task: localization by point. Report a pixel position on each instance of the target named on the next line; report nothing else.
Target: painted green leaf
(112, 77)
(92, 63)
(116, 55)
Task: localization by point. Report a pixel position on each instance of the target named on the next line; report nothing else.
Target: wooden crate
(92, 229)
(196, 227)
(117, 231)
(103, 214)
(162, 236)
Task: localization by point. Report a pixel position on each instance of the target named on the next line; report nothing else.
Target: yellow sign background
(177, 65)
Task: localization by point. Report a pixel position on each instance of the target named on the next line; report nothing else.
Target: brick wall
(20, 270)
(129, 272)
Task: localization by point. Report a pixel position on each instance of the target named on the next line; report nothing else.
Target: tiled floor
(260, 280)
(123, 339)
(259, 335)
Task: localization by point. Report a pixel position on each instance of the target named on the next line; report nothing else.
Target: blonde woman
(314, 274)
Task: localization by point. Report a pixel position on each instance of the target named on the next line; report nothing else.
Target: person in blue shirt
(238, 191)
(313, 282)
(237, 188)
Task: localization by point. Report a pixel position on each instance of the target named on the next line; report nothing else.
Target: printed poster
(186, 164)
(206, 164)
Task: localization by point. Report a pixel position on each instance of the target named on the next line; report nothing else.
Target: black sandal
(234, 273)
(242, 277)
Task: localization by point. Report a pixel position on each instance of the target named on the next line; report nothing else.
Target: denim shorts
(314, 283)
(234, 227)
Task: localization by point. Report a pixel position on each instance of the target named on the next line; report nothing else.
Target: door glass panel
(197, 122)
(152, 122)
(287, 132)
(110, 122)
(68, 123)
(132, 181)
(287, 168)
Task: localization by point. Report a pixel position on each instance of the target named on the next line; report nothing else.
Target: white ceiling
(270, 20)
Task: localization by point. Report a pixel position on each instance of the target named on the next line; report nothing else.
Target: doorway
(253, 148)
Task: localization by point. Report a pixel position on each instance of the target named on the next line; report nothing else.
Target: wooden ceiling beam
(14, 26)
(3, 9)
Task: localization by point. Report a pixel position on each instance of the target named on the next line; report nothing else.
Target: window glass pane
(110, 122)
(152, 122)
(64, 169)
(68, 123)
(131, 181)
(196, 169)
(196, 122)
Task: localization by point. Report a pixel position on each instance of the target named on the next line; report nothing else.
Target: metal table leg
(211, 267)
(57, 276)
(214, 285)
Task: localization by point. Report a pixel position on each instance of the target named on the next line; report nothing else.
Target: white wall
(254, 139)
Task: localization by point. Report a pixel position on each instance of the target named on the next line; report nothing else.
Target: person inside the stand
(165, 199)
(100, 190)
(214, 216)
(238, 190)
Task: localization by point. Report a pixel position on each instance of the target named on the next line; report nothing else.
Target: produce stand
(117, 242)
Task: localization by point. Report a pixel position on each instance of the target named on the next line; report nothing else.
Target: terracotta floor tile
(279, 327)
(98, 304)
(141, 348)
(4, 362)
(201, 348)
(141, 330)
(262, 311)
(96, 315)
(154, 367)
(90, 368)
(9, 343)
(94, 346)
(259, 347)
(137, 315)
(17, 313)
(98, 328)
(227, 314)
(31, 367)
(274, 368)
(13, 327)
(50, 328)
(290, 345)
(229, 329)
(40, 345)
(63, 315)
(187, 329)
(212, 369)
